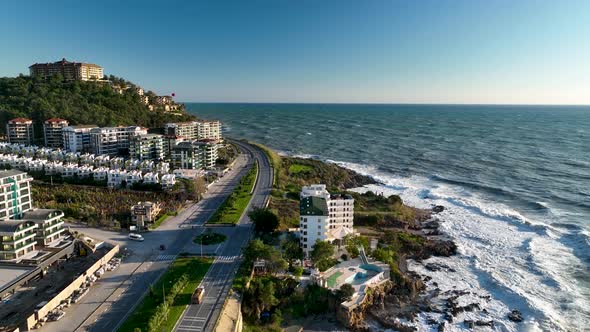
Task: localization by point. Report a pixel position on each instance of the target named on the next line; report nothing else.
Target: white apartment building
(113, 140)
(15, 194)
(77, 138)
(195, 154)
(323, 216)
(53, 132)
(147, 147)
(195, 130)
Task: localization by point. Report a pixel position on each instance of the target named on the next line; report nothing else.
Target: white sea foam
(520, 263)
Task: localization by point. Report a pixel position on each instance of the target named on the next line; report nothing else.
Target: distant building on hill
(323, 216)
(77, 71)
(53, 132)
(77, 138)
(20, 131)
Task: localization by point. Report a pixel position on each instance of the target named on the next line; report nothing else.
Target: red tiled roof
(19, 120)
(55, 120)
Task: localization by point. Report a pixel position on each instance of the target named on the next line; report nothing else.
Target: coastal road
(116, 294)
(218, 280)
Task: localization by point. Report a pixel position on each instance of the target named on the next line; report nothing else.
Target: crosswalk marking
(226, 258)
(165, 258)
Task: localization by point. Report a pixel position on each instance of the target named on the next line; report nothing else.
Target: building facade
(20, 131)
(49, 225)
(15, 194)
(194, 154)
(78, 71)
(195, 130)
(323, 216)
(17, 238)
(147, 147)
(77, 138)
(113, 140)
(144, 213)
(53, 132)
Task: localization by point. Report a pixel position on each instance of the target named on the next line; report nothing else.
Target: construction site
(33, 294)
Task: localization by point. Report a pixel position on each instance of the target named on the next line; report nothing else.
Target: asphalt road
(218, 280)
(114, 297)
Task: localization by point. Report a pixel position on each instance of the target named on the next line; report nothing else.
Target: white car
(135, 237)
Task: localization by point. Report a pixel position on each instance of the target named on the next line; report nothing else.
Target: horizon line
(377, 104)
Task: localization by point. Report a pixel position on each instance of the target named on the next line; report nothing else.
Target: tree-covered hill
(78, 102)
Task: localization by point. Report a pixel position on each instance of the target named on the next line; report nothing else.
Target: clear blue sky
(317, 51)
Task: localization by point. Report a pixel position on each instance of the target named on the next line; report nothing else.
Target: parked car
(135, 237)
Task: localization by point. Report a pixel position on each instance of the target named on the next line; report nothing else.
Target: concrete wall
(66, 292)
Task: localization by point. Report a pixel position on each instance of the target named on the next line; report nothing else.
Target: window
(319, 234)
(305, 246)
(304, 233)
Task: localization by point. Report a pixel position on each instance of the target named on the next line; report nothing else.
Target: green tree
(291, 250)
(322, 250)
(265, 221)
(345, 292)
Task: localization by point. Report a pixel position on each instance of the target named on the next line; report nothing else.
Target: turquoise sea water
(522, 170)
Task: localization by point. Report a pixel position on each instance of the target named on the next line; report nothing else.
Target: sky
(312, 51)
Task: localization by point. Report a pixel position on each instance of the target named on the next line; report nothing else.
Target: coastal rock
(441, 327)
(438, 209)
(484, 323)
(515, 316)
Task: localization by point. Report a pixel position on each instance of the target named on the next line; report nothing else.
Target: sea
(514, 181)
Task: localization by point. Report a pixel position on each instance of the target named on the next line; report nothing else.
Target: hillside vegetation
(78, 102)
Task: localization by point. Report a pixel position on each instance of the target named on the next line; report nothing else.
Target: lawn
(160, 220)
(195, 268)
(209, 238)
(295, 169)
(232, 208)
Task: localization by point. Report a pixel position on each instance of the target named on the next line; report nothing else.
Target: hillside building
(113, 140)
(53, 132)
(78, 71)
(147, 147)
(77, 138)
(20, 131)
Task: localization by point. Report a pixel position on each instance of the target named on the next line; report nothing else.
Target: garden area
(232, 208)
(168, 297)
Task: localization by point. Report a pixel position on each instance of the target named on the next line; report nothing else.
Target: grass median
(231, 209)
(194, 268)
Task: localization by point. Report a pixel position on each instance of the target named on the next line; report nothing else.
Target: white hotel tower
(323, 216)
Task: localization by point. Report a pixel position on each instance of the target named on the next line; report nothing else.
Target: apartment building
(20, 131)
(163, 100)
(195, 130)
(323, 216)
(53, 132)
(15, 194)
(147, 147)
(77, 138)
(49, 225)
(113, 140)
(78, 71)
(17, 238)
(195, 154)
